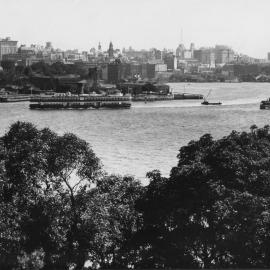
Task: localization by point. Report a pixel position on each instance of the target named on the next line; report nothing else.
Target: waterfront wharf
(14, 98)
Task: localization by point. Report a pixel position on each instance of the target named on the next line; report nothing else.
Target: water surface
(149, 136)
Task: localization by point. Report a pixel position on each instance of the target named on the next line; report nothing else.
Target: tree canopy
(52, 207)
(213, 210)
(61, 210)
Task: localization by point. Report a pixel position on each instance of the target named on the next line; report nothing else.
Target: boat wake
(192, 103)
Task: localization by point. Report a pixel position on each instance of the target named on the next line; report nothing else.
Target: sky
(243, 25)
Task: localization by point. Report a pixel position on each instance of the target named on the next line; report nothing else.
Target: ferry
(265, 104)
(82, 101)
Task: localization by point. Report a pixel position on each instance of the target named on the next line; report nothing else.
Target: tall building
(114, 72)
(117, 71)
(110, 51)
(7, 46)
(170, 60)
(157, 54)
(223, 54)
(205, 56)
(48, 46)
(268, 56)
(192, 48)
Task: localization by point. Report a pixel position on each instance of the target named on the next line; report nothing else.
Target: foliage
(112, 209)
(51, 216)
(58, 68)
(59, 209)
(38, 172)
(213, 210)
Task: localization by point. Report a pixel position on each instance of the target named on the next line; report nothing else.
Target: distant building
(140, 56)
(110, 51)
(268, 58)
(205, 56)
(192, 48)
(114, 74)
(149, 71)
(180, 51)
(135, 70)
(170, 60)
(157, 54)
(104, 72)
(223, 54)
(48, 46)
(7, 46)
(183, 53)
(26, 50)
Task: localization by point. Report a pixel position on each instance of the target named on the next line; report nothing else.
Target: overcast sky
(242, 24)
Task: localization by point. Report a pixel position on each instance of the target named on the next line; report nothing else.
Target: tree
(111, 206)
(8, 64)
(52, 217)
(213, 210)
(149, 87)
(43, 175)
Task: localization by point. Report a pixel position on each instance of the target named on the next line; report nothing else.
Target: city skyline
(77, 24)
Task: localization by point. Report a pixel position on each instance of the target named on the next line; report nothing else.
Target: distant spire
(182, 40)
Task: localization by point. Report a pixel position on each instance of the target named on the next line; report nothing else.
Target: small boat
(265, 104)
(206, 102)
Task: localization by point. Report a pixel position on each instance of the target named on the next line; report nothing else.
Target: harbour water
(149, 136)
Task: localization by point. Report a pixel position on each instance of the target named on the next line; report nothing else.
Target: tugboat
(206, 102)
(265, 104)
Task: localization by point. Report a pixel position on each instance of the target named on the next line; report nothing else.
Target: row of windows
(7, 49)
(89, 99)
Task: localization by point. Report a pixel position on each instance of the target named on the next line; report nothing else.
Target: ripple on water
(149, 136)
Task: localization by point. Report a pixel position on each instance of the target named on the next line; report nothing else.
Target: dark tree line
(59, 209)
(21, 75)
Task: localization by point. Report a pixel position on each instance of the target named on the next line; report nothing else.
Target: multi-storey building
(7, 46)
(223, 54)
(149, 70)
(157, 54)
(170, 60)
(205, 56)
(114, 72)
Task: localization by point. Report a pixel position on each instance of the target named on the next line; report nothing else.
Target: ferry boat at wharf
(14, 98)
(83, 101)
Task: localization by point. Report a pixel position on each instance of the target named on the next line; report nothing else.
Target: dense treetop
(213, 210)
(60, 210)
